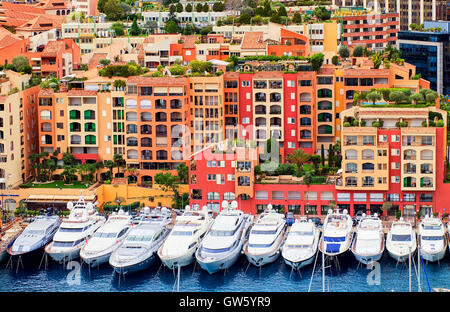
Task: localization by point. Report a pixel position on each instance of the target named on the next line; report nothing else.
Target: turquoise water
(275, 277)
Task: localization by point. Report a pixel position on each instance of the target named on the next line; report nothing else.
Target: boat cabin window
(221, 233)
(432, 238)
(62, 244)
(182, 233)
(105, 235)
(334, 239)
(265, 232)
(401, 238)
(260, 245)
(122, 232)
(139, 238)
(301, 233)
(432, 227)
(71, 230)
(34, 232)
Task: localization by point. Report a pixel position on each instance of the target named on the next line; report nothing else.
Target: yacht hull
(64, 256)
(342, 252)
(364, 259)
(400, 257)
(296, 265)
(213, 265)
(433, 256)
(136, 267)
(96, 260)
(260, 260)
(183, 260)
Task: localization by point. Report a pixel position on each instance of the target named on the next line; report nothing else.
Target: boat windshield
(63, 244)
(105, 235)
(72, 230)
(34, 232)
(264, 232)
(401, 238)
(139, 238)
(301, 233)
(260, 245)
(334, 239)
(297, 246)
(218, 250)
(431, 227)
(432, 238)
(181, 233)
(221, 233)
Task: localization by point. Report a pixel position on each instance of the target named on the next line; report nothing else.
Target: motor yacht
(265, 238)
(179, 248)
(139, 249)
(36, 235)
(7, 238)
(74, 231)
(301, 243)
(368, 244)
(223, 243)
(106, 239)
(401, 240)
(337, 233)
(432, 239)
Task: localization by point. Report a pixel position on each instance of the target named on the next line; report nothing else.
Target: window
(409, 197)
(393, 197)
(424, 197)
(359, 197)
(395, 138)
(343, 196)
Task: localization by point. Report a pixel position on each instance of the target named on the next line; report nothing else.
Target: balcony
(275, 110)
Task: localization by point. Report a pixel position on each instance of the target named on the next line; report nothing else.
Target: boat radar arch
(69, 205)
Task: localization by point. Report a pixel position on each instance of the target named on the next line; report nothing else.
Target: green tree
(20, 63)
(205, 30)
(113, 10)
(317, 61)
(322, 154)
(374, 96)
(218, 7)
(177, 70)
(205, 8)
(101, 5)
(282, 11)
(267, 8)
(179, 8)
(358, 51)
(315, 160)
(416, 97)
(172, 9)
(110, 165)
(335, 60)
(135, 30)
(344, 52)
(298, 157)
(118, 28)
(119, 161)
(321, 13)
(297, 18)
(183, 173)
(330, 155)
(188, 8)
(376, 60)
(105, 62)
(171, 27)
(199, 8)
(397, 97)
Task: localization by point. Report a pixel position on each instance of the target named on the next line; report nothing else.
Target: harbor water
(275, 277)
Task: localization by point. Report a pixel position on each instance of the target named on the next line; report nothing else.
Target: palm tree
(298, 157)
(119, 161)
(35, 159)
(110, 165)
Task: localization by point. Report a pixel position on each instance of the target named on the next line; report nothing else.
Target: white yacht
(266, 237)
(337, 233)
(432, 239)
(139, 249)
(7, 238)
(106, 239)
(368, 244)
(223, 243)
(401, 240)
(184, 239)
(74, 231)
(35, 236)
(301, 244)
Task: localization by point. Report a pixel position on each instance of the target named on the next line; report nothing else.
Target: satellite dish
(224, 204)
(269, 206)
(187, 207)
(69, 205)
(345, 211)
(234, 204)
(363, 215)
(89, 206)
(330, 211)
(164, 210)
(146, 210)
(121, 212)
(375, 215)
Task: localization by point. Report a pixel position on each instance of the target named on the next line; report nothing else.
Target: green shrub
(346, 124)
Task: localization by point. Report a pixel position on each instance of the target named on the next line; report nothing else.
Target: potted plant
(398, 214)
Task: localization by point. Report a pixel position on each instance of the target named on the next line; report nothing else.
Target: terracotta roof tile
(157, 80)
(46, 92)
(267, 75)
(81, 92)
(189, 42)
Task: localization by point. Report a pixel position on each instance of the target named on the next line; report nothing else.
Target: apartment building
(374, 31)
(411, 11)
(18, 128)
